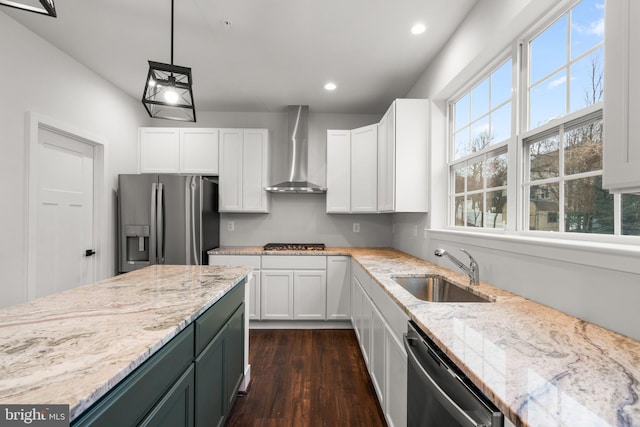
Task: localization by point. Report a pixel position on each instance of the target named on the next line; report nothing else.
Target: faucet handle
(472, 259)
(474, 277)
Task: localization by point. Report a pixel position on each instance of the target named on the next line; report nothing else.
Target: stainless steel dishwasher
(438, 393)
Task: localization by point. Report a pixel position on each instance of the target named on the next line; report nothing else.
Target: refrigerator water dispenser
(137, 246)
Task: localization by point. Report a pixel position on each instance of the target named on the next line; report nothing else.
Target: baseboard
(246, 381)
(300, 324)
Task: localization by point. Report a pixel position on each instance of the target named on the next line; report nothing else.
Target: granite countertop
(540, 367)
(74, 346)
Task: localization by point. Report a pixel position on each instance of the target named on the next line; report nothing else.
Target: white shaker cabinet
(352, 170)
(293, 287)
(403, 157)
(277, 295)
(338, 287)
(338, 171)
(364, 169)
(379, 324)
(621, 156)
(178, 150)
(159, 150)
(244, 170)
(309, 299)
(199, 151)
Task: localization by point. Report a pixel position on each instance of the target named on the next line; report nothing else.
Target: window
(563, 179)
(481, 132)
(558, 140)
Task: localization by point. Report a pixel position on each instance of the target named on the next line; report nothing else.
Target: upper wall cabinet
(199, 151)
(339, 171)
(352, 170)
(403, 157)
(621, 159)
(178, 150)
(244, 170)
(364, 169)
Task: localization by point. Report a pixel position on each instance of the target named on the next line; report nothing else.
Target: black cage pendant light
(167, 91)
(44, 7)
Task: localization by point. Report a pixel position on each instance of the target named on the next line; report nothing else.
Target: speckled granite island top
(74, 346)
(541, 367)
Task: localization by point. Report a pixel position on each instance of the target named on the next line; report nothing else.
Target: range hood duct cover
(298, 142)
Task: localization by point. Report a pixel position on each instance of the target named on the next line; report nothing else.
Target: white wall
(597, 283)
(298, 217)
(39, 78)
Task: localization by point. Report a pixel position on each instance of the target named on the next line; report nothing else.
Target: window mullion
(561, 182)
(617, 214)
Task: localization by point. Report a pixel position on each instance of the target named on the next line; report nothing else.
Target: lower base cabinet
(379, 324)
(192, 381)
(219, 372)
(176, 407)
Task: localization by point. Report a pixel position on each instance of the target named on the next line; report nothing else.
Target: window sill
(609, 255)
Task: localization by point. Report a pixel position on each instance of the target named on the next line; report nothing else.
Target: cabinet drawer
(212, 320)
(133, 398)
(294, 262)
(236, 260)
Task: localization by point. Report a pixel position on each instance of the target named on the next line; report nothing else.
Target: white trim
(33, 122)
(300, 324)
(606, 255)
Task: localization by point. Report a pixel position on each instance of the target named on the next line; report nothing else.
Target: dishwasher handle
(434, 389)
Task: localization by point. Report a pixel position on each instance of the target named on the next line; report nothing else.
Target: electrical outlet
(231, 225)
(356, 227)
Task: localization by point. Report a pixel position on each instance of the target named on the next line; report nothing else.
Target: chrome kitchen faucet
(473, 271)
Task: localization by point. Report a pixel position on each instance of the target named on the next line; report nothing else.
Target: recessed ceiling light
(418, 28)
(330, 86)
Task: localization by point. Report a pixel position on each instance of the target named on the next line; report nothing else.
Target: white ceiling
(275, 53)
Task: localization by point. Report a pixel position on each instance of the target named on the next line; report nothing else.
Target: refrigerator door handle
(194, 241)
(153, 253)
(160, 211)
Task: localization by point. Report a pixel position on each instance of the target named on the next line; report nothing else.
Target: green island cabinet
(192, 381)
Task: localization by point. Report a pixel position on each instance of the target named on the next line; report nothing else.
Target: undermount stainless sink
(434, 288)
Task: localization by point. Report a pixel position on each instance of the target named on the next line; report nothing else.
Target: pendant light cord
(171, 32)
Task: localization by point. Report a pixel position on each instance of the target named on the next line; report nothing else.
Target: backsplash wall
(302, 218)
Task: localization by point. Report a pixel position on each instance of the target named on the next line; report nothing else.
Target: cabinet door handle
(89, 252)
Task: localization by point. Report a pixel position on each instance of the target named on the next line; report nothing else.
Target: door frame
(34, 122)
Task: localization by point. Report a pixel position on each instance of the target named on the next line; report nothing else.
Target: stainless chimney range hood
(298, 140)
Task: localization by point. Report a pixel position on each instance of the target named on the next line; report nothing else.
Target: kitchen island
(75, 346)
(539, 366)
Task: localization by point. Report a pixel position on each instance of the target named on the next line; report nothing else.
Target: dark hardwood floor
(306, 378)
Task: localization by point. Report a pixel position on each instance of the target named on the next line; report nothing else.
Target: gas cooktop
(294, 247)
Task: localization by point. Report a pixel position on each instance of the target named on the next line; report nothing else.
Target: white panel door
(65, 217)
(395, 381)
(338, 171)
(377, 356)
(364, 169)
(386, 160)
(199, 151)
(159, 150)
(338, 287)
(255, 170)
(276, 295)
(309, 295)
(230, 182)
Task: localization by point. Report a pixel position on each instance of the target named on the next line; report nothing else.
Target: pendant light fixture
(167, 91)
(44, 7)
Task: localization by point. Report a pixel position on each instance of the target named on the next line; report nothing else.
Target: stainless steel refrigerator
(166, 219)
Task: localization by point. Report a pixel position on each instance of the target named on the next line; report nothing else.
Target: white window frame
(517, 221)
(508, 145)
